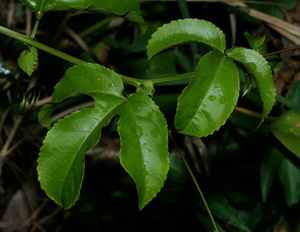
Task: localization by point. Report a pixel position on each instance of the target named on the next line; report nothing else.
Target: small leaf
(258, 44)
(207, 102)
(260, 70)
(28, 60)
(287, 130)
(275, 62)
(269, 166)
(289, 176)
(185, 31)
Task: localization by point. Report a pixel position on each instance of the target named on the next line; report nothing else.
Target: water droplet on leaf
(222, 100)
(154, 133)
(139, 131)
(212, 98)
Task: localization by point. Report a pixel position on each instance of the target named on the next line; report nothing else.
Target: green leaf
(142, 127)
(130, 9)
(260, 70)
(144, 145)
(106, 6)
(275, 62)
(289, 176)
(221, 208)
(269, 166)
(185, 31)
(207, 102)
(28, 60)
(258, 44)
(287, 130)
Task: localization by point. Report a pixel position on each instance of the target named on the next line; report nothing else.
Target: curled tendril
(28, 100)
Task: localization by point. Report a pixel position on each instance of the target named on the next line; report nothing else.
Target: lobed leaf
(207, 102)
(260, 70)
(142, 127)
(287, 130)
(144, 145)
(185, 31)
(61, 158)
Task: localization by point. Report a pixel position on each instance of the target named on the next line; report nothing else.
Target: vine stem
(195, 182)
(128, 80)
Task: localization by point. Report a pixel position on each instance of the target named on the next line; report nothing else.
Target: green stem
(27, 40)
(36, 25)
(128, 80)
(183, 9)
(99, 25)
(185, 13)
(195, 182)
(42, 6)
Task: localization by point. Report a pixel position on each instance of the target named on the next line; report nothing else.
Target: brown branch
(282, 51)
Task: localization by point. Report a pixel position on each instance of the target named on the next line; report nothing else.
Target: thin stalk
(254, 114)
(96, 26)
(185, 13)
(128, 80)
(184, 9)
(27, 40)
(36, 25)
(195, 182)
(282, 51)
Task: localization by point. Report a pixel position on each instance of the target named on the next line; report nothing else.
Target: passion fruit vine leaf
(185, 31)
(130, 9)
(144, 152)
(144, 145)
(118, 7)
(207, 102)
(261, 72)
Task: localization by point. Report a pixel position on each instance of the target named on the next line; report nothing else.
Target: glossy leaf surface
(118, 7)
(144, 145)
(268, 169)
(28, 60)
(287, 130)
(144, 153)
(260, 71)
(207, 102)
(289, 176)
(185, 31)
